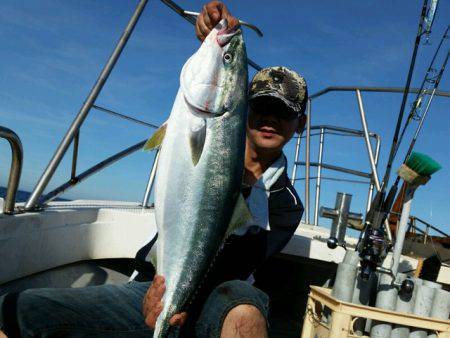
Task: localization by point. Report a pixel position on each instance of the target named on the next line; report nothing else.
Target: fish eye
(227, 57)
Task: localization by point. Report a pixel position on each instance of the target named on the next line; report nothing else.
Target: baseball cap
(283, 84)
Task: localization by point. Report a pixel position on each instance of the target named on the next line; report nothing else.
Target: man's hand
(210, 16)
(153, 306)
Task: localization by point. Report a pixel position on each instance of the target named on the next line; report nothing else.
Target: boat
(45, 242)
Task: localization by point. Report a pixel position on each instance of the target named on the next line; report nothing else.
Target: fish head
(217, 72)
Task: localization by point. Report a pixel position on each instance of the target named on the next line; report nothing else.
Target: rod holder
(341, 217)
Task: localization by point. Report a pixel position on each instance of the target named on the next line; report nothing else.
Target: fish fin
(241, 216)
(197, 138)
(153, 260)
(156, 139)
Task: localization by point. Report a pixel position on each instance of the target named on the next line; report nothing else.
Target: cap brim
(276, 95)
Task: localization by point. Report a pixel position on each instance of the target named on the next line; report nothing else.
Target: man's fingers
(201, 30)
(213, 11)
(183, 319)
(210, 16)
(153, 306)
(153, 297)
(152, 315)
(204, 30)
(158, 280)
(154, 294)
(207, 17)
(232, 21)
(198, 33)
(179, 319)
(158, 292)
(174, 321)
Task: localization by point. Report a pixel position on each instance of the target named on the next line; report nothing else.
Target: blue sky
(52, 52)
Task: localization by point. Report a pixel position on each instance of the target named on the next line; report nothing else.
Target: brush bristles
(422, 164)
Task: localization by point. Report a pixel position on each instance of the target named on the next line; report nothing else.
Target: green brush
(418, 169)
(422, 164)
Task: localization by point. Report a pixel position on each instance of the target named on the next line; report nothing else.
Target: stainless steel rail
(373, 164)
(377, 155)
(428, 227)
(125, 117)
(89, 172)
(374, 89)
(16, 168)
(319, 177)
(412, 225)
(308, 159)
(297, 154)
(337, 168)
(345, 130)
(84, 111)
(366, 138)
(324, 129)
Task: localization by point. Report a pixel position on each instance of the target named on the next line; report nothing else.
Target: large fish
(200, 166)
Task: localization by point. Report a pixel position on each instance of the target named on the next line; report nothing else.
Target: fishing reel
(372, 250)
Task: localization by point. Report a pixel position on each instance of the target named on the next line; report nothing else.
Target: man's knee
(244, 321)
(9, 311)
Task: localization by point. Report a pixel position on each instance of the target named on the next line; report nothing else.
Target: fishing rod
(404, 98)
(429, 18)
(421, 93)
(422, 118)
(418, 102)
(372, 245)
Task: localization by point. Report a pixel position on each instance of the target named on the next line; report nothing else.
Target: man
(227, 305)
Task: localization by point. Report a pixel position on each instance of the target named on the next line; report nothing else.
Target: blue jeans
(111, 311)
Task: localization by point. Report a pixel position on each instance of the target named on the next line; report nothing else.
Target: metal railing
(16, 168)
(73, 132)
(373, 175)
(426, 233)
(324, 129)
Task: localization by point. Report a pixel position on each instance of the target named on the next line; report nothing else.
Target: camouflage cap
(282, 83)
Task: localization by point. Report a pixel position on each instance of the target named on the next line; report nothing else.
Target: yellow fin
(241, 215)
(156, 139)
(196, 142)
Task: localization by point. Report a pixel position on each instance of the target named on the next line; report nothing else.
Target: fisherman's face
(271, 124)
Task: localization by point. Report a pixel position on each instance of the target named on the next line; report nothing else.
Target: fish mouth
(225, 34)
(201, 112)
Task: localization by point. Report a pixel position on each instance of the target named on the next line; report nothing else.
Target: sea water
(22, 196)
